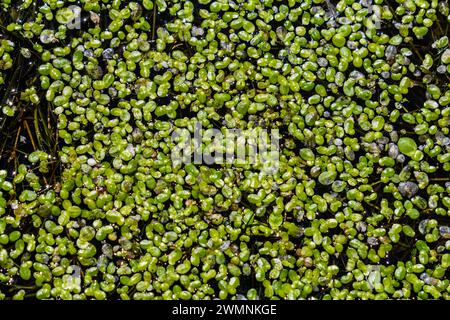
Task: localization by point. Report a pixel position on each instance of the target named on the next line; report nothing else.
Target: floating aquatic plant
(93, 206)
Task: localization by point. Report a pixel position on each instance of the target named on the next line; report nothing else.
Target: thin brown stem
(16, 141)
(27, 127)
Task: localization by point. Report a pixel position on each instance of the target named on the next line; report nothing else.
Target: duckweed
(93, 206)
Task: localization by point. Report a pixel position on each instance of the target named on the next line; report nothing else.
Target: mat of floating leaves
(96, 204)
